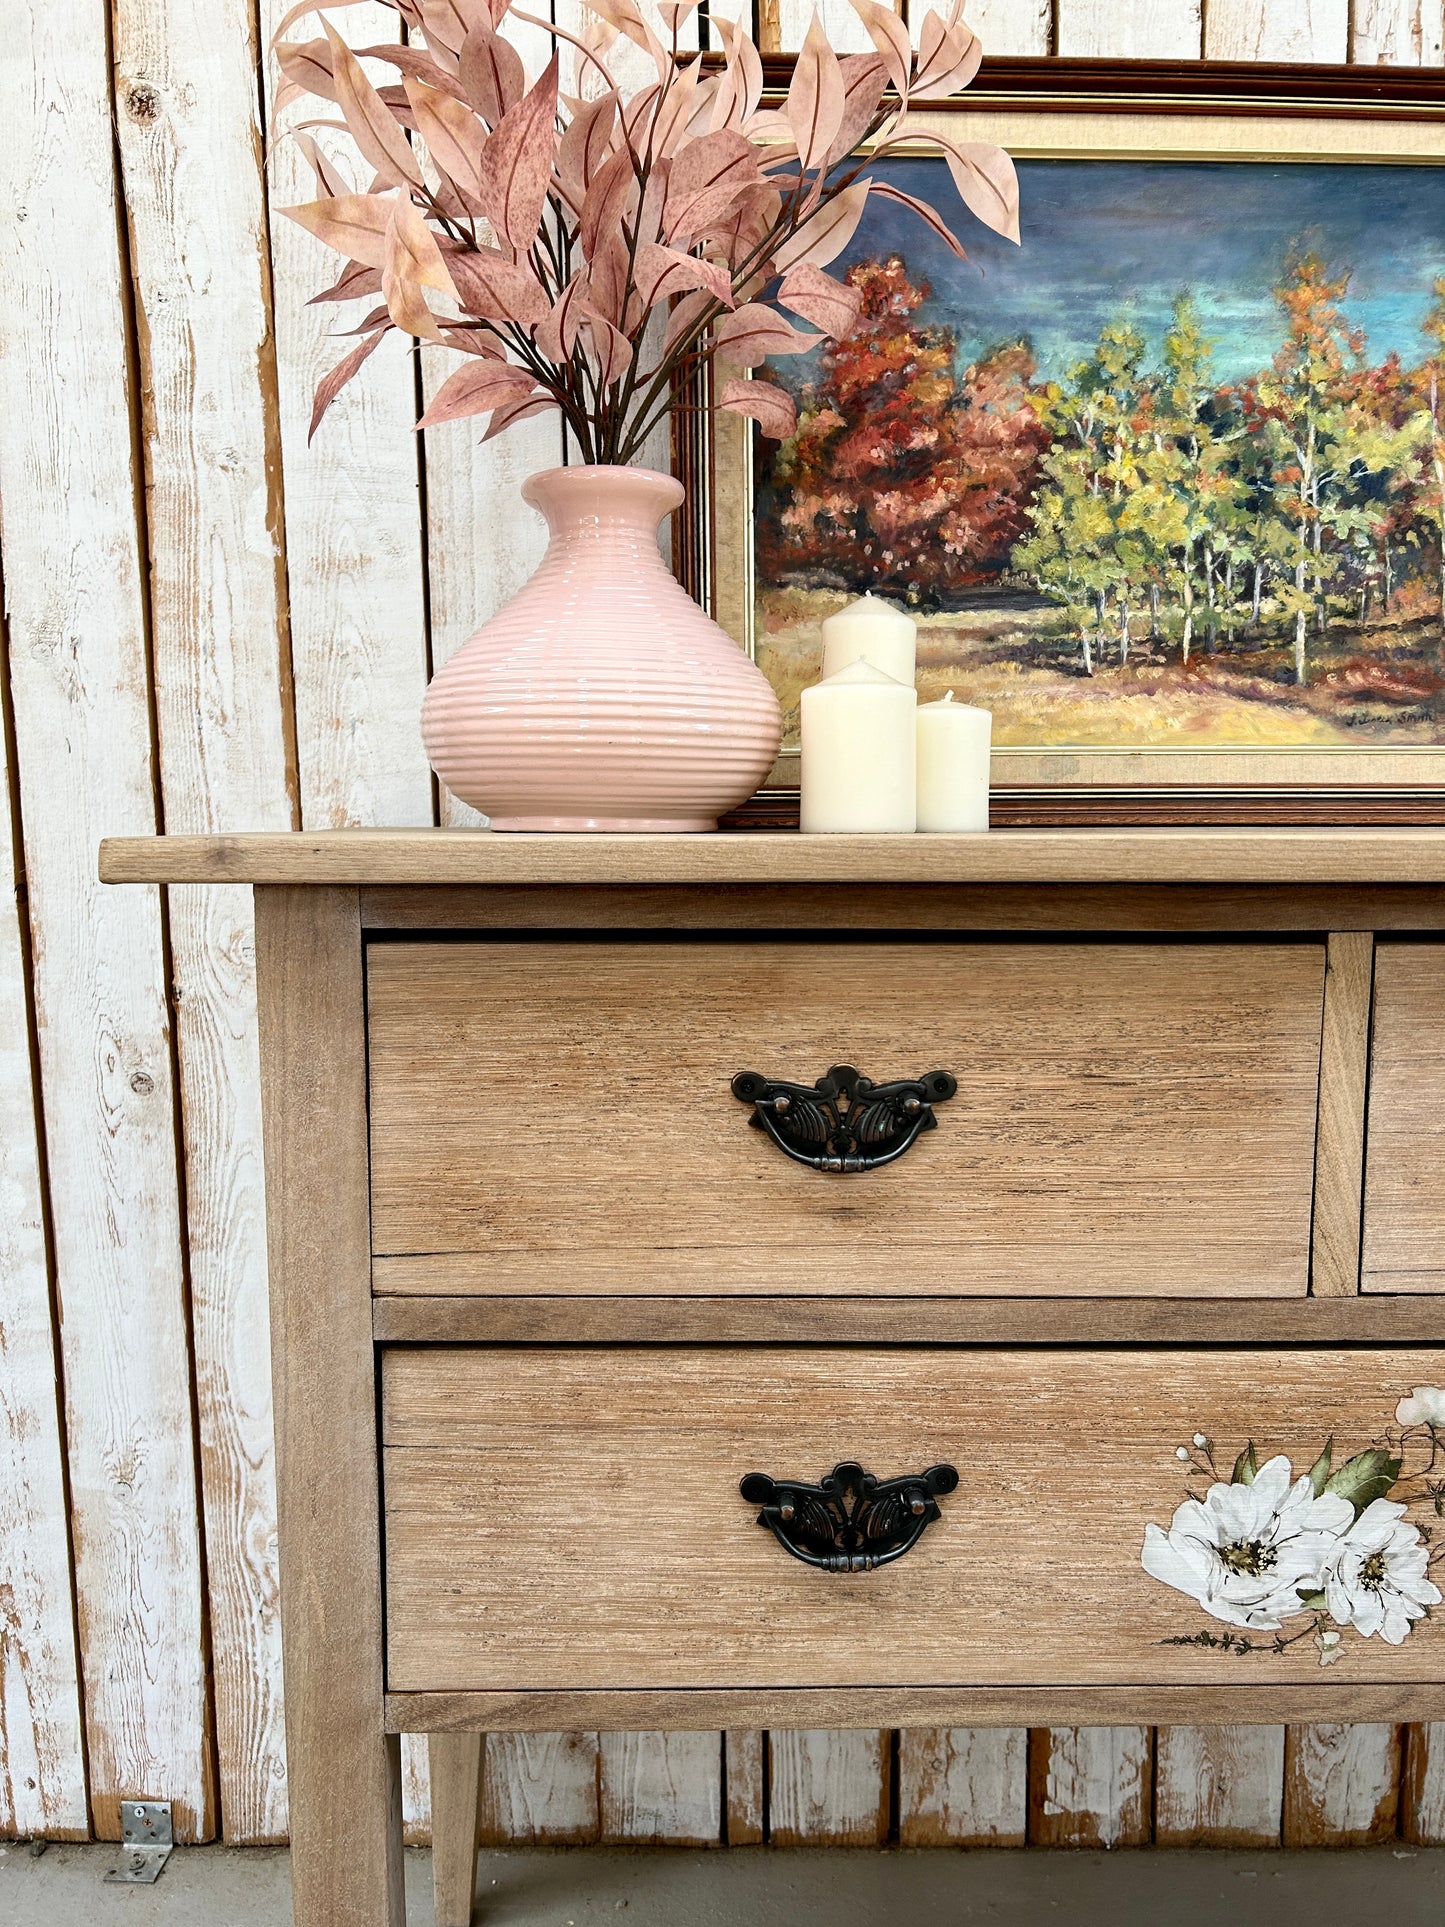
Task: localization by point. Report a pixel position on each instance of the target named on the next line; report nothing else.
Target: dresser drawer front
(571, 1518)
(1404, 1241)
(1130, 1118)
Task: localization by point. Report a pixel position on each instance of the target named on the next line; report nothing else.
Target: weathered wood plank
(353, 517)
(1314, 30)
(1218, 1786)
(1129, 29)
(846, 32)
(189, 141)
(346, 1862)
(661, 1788)
(963, 1786)
(1340, 1133)
(1341, 1785)
(1422, 1786)
(1397, 33)
(828, 1789)
(1005, 26)
(540, 1789)
(42, 1766)
(1089, 1786)
(745, 1789)
(74, 587)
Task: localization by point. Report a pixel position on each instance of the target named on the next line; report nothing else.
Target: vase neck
(617, 507)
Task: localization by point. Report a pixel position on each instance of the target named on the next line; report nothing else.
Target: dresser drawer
(571, 1518)
(1404, 1234)
(1130, 1118)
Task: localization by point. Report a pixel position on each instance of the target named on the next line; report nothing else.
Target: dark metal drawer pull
(844, 1122)
(849, 1521)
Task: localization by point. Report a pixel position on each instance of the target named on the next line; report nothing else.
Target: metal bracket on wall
(146, 1841)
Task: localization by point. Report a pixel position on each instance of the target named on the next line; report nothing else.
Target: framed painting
(1163, 487)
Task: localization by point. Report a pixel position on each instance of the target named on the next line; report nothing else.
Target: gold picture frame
(1057, 110)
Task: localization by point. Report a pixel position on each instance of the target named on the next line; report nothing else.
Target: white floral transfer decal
(1334, 1548)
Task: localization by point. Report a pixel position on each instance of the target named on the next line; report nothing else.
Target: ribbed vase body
(601, 697)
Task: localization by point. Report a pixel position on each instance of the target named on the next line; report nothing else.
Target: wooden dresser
(566, 1243)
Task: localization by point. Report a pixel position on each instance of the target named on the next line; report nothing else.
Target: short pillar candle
(953, 755)
(869, 630)
(860, 750)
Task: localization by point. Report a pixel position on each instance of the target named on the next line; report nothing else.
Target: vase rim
(612, 491)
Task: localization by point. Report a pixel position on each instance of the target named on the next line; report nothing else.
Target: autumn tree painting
(1220, 530)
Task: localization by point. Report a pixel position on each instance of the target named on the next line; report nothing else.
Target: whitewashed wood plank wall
(210, 626)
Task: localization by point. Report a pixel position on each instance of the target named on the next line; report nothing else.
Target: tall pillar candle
(860, 750)
(953, 753)
(871, 631)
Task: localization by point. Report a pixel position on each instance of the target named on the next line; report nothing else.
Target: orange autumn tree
(906, 474)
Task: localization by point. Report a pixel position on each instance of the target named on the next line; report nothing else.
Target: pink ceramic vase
(601, 697)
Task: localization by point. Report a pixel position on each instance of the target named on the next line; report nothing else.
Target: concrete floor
(217, 1887)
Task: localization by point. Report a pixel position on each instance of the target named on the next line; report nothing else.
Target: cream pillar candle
(871, 631)
(953, 749)
(860, 747)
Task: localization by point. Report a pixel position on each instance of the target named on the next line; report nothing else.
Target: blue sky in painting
(1106, 236)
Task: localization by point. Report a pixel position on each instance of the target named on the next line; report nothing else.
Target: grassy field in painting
(1018, 655)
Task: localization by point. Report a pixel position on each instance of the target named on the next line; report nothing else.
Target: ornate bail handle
(849, 1521)
(844, 1122)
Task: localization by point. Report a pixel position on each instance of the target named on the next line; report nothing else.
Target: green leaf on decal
(1320, 1470)
(1364, 1478)
(1246, 1467)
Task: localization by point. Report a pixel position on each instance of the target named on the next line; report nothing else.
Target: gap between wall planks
(189, 139)
(363, 590)
(79, 687)
(42, 1765)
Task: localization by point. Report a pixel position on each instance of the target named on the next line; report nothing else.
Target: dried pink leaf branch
(535, 234)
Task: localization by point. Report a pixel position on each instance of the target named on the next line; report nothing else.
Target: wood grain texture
(1089, 1786)
(540, 1789)
(1341, 1785)
(81, 702)
(42, 1765)
(1308, 30)
(346, 1864)
(1397, 33)
(1340, 1136)
(1005, 26)
(353, 533)
(1422, 1787)
(904, 1320)
(1368, 856)
(745, 1787)
(1118, 909)
(1266, 1702)
(1080, 1070)
(189, 141)
(455, 1776)
(963, 1786)
(1404, 1231)
(491, 1459)
(1218, 1786)
(661, 1789)
(828, 1788)
(1129, 29)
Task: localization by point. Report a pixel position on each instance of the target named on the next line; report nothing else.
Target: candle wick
(948, 695)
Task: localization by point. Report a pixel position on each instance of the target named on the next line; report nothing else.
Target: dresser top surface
(430, 857)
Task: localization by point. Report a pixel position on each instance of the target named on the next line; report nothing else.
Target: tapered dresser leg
(456, 1784)
(344, 1772)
